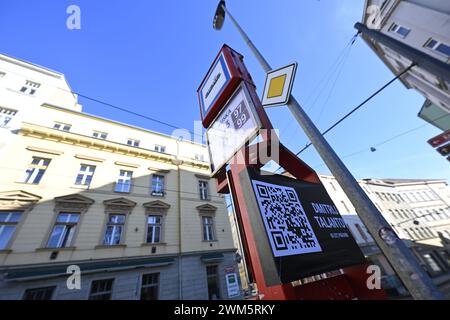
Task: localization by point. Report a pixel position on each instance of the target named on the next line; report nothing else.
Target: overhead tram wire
(357, 107)
(113, 106)
(326, 77)
(399, 135)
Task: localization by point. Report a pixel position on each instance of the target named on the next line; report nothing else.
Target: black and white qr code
(287, 225)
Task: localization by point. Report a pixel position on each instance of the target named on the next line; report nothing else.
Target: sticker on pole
(278, 86)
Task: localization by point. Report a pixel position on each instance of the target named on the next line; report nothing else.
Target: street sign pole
(398, 254)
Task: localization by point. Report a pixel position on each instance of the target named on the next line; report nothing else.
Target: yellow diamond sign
(278, 86)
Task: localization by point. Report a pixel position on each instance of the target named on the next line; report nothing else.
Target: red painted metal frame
(350, 285)
(238, 73)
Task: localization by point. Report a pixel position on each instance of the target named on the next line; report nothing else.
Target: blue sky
(150, 56)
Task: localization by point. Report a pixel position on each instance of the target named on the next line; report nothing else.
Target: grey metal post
(398, 254)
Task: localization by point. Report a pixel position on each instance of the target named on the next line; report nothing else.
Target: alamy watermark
(74, 19)
(74, 280)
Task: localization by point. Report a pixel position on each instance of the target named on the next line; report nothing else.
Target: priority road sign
(278, 85)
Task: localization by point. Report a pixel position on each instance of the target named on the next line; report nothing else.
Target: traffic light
(444, 150)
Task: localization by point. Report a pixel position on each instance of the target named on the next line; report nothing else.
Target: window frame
(161, 193)
(145, 286)
(395, 28)
(161, 147)
(61, 126)
(114, 224)
(30, 88)
(435, 46)
(99, 135)
(36, 168)
(134, 142)
(53, 288)
(124, 180)
(208, 195)
(160, 225)
(217, 279)
(208, 226)
(110, 292)
(75, 226)
(15, 224)
(85, 174)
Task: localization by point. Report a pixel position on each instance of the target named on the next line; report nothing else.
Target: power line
(387, 140)
(357, 107)
(123, 109)
(327, 76)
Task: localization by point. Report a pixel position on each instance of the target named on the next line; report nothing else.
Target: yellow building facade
(134, 211)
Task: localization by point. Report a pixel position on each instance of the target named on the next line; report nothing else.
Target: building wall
(127, 284)
(183, 163)
(426, 20)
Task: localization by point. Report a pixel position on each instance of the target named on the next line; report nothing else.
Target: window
(399, 30)
(6, 116)
(8, 224)
(154, 229)
(157, 185)
(85, 175)
(149, 286)
(203, 189)
(199, 157)
(62, 126)
(361, 232)
(100, 135)
(213, 283)
(332, 185)
(431, 263)
(345, 206)
(101, 289)
(160, 148)
(123, 183)
(133, 142)
(114, 228)
(438, 46)
(39, 293)
(64, 230)
(30, 87)
(2, 74)
(36, 170)
(208, 228)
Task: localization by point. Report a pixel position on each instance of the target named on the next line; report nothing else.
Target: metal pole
(398, 254)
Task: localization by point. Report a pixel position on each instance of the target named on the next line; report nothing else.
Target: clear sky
(150, 56)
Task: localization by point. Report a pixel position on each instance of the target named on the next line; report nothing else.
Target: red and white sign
(223, 77)
(440, 139)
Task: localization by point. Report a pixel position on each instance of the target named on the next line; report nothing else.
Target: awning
(31, 273)
(211, 257)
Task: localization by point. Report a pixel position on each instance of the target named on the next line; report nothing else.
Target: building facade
(133, 210)
(423, 25)
(419, 212)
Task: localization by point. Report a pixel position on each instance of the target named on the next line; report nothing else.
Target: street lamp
(219, 17)
(398, 254)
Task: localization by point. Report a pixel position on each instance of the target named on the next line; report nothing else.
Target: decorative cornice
(126, 164)
(83, 157)
(41, 150)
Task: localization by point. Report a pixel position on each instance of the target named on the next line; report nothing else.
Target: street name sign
(223, 77)
(278, 86)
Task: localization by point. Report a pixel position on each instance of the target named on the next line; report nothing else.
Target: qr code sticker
(287, 225)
